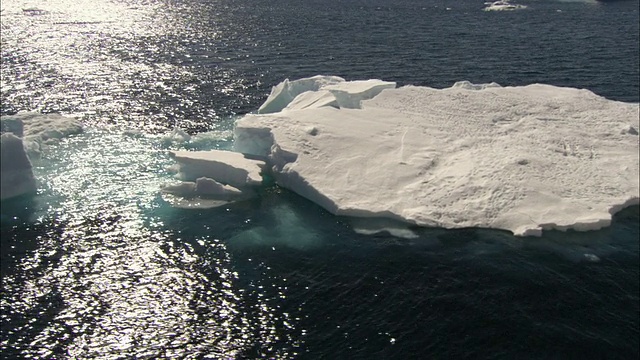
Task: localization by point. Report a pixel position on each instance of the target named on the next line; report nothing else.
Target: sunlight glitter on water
(112, 282)
(121, 63)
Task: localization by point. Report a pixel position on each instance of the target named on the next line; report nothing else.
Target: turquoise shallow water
(97, 265)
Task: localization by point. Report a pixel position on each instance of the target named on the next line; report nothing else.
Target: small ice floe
(503, 5)
(176, 136)
(212, 178)
(16, 172)
(591, 258)
(204, 193)
(24, 137)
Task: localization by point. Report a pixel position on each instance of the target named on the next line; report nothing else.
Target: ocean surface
(99, 266)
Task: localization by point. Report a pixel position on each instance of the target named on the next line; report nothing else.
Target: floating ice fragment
(212, 178)
(24, 136)
(41, 130)
(369, 226)
(226, 167)
(203, 193)
(177, 136)
(16, 174)
(503, 5)
(320, 91)
(283, 93)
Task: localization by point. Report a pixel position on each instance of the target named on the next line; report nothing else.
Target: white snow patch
(524, 159)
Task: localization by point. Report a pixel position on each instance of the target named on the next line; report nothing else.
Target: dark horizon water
(99, 266)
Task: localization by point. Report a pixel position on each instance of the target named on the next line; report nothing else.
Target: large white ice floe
(523, 159)
(24, 135)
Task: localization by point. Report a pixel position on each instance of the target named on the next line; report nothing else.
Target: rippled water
(97, 265)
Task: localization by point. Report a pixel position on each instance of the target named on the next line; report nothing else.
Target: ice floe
(503, 5)
(24, 135)
(523, 159)
(212, 178)
(16, 173)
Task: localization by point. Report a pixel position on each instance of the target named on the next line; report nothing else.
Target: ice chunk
(42, 129)
(226, 167)
(524, 159)
(503, 5)
(203, 193)
(177, 136)
(48, 127)
(184, 188)
(320, 91)
(16, 174)
(283, 93)
(24, 134)
(369, 226)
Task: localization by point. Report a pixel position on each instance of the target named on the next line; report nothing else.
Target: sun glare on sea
(80, 12)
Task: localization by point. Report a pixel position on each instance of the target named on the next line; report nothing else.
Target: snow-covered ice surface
(522, 159)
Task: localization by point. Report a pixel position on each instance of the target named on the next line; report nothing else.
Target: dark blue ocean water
(97, 265)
